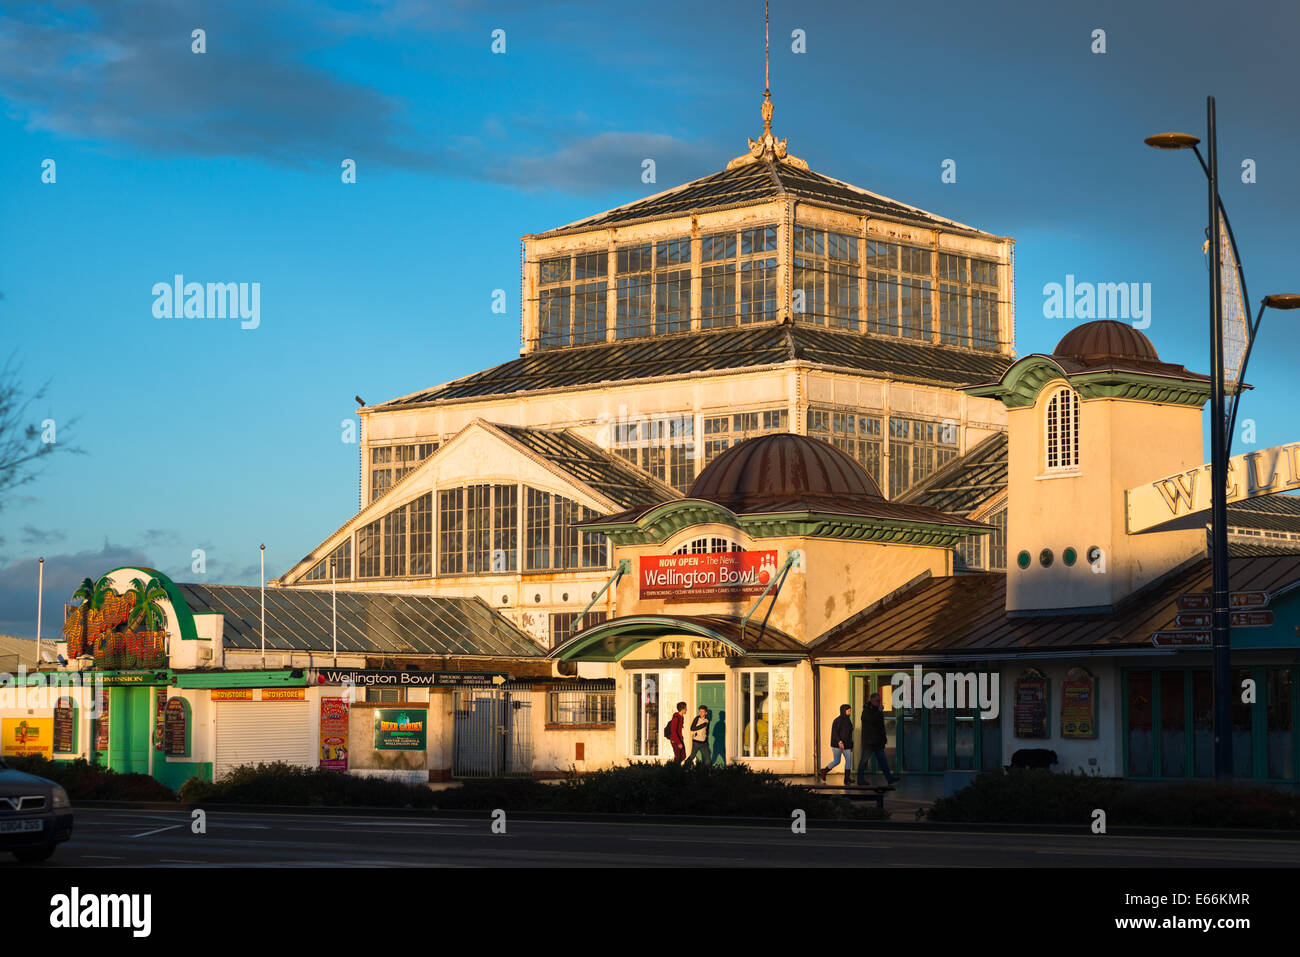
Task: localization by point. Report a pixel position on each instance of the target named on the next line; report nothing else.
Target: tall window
(1062, 439)
(634, 281)
(369, 550)
(826, 277)
(765, 713)
(653, 695)
(968, 302)
(738, 277)
(395, 543)
(478, 529)
(571, 299)
(420, 521)
(553, 541)
(858, 435)
(672, 285)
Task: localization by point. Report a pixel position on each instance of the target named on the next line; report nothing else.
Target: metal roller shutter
(249, 732)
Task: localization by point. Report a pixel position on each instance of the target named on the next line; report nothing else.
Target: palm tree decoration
(147, 609)
(92, 595)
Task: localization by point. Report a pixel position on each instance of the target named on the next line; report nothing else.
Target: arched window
(701, 546)
(1063, 431)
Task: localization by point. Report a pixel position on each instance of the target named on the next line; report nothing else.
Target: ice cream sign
(711, 576)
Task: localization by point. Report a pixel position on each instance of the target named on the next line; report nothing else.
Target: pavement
(152, 838)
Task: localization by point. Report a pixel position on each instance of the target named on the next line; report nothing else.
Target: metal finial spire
(767, 74)
(767, 146)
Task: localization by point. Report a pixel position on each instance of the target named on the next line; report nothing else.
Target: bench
(859, 792)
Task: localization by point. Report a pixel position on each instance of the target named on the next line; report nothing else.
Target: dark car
(35, 815)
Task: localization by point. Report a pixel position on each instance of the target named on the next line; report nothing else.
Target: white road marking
(170, 827)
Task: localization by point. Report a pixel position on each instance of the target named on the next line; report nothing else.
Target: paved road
(131, 838)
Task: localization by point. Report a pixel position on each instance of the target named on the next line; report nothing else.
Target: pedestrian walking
(874, 740)
(700, 737)
(841, 744)
(674, 732)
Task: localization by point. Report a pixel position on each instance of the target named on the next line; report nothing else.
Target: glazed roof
(718, 350)
(756, 182)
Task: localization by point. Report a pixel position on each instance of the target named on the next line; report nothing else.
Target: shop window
(1280, 740)
(1141, 724)
(765, 713)
(1243, 714)
(1062, 431)
(653, 697)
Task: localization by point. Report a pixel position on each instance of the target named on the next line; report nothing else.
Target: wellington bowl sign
(1251, 475)
(711, 576)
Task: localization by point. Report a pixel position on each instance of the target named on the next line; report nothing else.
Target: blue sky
(225, 166)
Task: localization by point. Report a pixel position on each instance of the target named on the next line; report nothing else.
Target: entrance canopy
(611, 640)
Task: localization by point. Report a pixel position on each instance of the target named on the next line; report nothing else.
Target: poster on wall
(334, 734)
(101, 725)
(1031, 704)
(400, 729)
(176, 719)
(712, 576)
(1078, 704)
(65, 726)
(27, 736)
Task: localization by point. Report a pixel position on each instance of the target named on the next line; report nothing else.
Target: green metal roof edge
(242, 679)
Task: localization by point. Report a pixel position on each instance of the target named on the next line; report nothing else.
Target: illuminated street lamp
(1220, 437)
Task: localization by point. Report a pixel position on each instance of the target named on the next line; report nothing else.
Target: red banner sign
(711, 576)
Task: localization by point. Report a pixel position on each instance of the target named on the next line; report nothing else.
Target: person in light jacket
(841, 744)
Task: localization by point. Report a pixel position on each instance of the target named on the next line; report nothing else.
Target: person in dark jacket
(874, 740)
(675, 733)
(841, 743)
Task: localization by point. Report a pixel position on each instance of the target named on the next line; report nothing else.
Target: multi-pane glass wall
(738, 277)
(477, 533)
(987, 552)
(342, 558)
(571, 302)
(837, 280)
(917, 448)
(721, 432)
(1169, 723)
(388, 463)
(664, 447)
(858, 435)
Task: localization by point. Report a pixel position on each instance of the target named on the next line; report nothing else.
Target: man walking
(674, 732)
(700, 737)
(841, 743)
(874, 740)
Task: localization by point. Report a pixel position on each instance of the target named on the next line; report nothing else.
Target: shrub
(91, 782)
(288, 784)
(1044, 797)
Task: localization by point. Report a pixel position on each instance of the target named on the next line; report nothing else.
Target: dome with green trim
(783, 467)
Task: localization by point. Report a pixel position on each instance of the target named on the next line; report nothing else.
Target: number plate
(20, 827)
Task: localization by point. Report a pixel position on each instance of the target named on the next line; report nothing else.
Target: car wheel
(34, 855)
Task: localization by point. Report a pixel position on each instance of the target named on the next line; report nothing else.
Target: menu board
(65, 727)
(160, 703)
(176, 719)
(1031, 704)
(1078, 704)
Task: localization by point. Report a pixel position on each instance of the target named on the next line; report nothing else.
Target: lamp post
(1220, 430)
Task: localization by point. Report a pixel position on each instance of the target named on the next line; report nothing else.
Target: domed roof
(1106, 339)
(783, 466)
